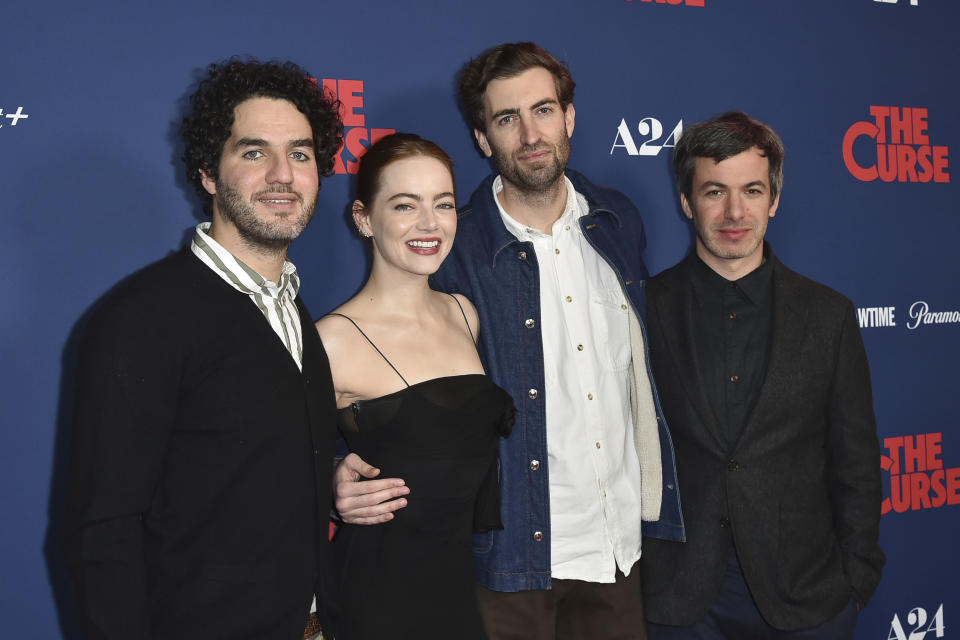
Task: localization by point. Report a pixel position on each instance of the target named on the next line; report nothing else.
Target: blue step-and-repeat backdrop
(865, 94)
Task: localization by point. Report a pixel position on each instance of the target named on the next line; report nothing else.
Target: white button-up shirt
(593, 465)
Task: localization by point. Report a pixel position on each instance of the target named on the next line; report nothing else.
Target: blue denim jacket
(500, 275)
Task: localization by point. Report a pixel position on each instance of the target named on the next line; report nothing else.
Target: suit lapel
(675, 316)
(786, 344)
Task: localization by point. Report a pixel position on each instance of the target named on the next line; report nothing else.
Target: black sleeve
(853, 465)
(127, 387)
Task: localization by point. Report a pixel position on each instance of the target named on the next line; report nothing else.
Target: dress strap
(464, 314)
(375, 346)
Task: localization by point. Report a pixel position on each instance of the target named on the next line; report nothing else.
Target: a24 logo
(651, 132)
(918, 625)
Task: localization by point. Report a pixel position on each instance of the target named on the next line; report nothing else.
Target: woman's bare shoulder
(464, 308)
(339, 327)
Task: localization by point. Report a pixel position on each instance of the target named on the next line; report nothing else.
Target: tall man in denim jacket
(553, 265)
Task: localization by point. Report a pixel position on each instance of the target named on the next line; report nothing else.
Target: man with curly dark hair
(207, 127)
(205, 413)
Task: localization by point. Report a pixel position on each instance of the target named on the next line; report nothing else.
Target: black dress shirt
(732, 322)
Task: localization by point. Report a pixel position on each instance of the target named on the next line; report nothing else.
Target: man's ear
(686, 206)
(773, 206)
(209, 183)
(569, 118)
(482, 142)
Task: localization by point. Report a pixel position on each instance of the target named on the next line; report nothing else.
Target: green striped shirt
(274, 299)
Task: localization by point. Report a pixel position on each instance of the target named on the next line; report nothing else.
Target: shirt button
(556, 251)
(529, 323)
(589, 396)
(725, 522)
(566, 228)
(538, 535)
(733, 465)
(522, 255)
(598, 445)
(624, 307)
(568, 299)
(732, 315)
(532, 394)
(734, 378)
(534, 465)
(579, 347)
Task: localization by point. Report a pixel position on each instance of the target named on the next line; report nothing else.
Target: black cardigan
(200, 482)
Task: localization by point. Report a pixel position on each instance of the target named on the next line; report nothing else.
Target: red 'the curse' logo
(902, 150)
(917, 477)
(356, 133)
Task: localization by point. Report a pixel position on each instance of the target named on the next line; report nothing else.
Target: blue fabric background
(91, 189)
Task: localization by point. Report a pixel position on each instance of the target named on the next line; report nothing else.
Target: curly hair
(507, 61)
(723, 137)
(206, 128)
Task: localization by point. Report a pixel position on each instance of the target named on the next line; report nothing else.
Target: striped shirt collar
(237, 274)
(276, 300)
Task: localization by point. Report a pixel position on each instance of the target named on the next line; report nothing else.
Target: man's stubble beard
(533, 180)
(270, 236)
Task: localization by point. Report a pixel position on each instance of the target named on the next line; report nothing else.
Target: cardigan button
(532, 394)
(534, 465)
(733, 465)
(530, 323)
(522, 255)
(538, 536)
(725, 522)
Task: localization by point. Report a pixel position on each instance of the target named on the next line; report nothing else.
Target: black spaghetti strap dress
(413, 577)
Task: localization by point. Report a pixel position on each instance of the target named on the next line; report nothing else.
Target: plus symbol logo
(14, 117)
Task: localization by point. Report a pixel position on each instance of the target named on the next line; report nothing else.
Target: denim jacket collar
(496, 237)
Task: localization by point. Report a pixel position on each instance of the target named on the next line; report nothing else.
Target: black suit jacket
(200, 483)
(799, 492)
